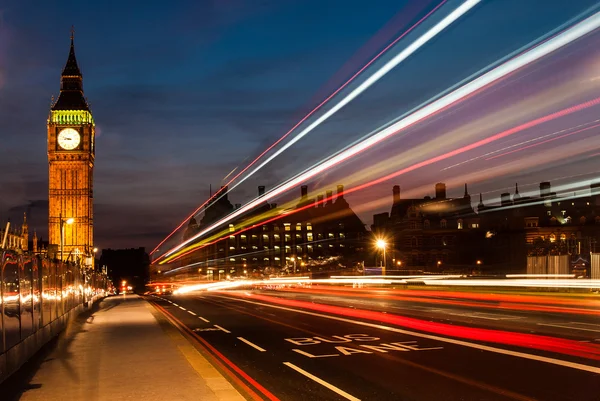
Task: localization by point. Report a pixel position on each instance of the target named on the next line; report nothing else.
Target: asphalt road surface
(311, 345)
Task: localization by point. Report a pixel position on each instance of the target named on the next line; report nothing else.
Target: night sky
(184, 92)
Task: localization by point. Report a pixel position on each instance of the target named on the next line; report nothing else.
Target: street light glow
(381, 244)
(70, 220)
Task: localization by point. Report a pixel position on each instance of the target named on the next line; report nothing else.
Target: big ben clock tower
(70, 166)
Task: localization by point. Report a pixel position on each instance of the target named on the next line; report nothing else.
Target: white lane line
(322, 382)
(220, 328)
(564, 326)
(175, 304)
(182, 308)
(523, 355)
(203, 319)
(587, 324)
(191, 313)
(252, 344)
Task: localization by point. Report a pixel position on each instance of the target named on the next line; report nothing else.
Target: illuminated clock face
(68, 139)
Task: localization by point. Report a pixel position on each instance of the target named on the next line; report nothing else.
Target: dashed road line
(221, 328)
(182, 308)
(322, 382)
(191, 313)
(252, 344)
(203, 319)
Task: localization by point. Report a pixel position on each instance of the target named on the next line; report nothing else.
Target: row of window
(443, 224)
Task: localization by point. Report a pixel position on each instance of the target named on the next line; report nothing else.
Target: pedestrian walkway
(122, 352)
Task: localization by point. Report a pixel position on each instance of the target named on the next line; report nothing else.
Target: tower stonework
(71, 149)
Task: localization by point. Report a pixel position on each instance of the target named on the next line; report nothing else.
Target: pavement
(125, 350)
(314, 346)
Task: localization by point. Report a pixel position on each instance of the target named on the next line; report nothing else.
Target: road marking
(191, 313)
(523, 355)
(322, 382)
(252, 344)
(175, 304)
(203, 319)
(564, 326)
(182, 308)
(220, 328)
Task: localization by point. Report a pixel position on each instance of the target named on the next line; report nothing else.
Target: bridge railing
(37, 298)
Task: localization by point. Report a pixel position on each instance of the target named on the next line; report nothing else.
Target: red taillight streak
(532, 341)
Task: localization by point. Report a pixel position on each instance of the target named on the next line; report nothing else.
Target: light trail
(304, 119)
(582, 28)
(387, 67)
(519, 144)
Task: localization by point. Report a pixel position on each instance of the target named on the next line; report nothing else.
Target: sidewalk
(122, 353)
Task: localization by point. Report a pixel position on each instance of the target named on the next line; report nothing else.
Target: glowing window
(287, 227)
(308, 226)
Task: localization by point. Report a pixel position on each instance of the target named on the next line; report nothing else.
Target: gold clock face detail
(68, 139)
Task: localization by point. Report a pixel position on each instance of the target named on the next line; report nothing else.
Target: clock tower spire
(71, 153)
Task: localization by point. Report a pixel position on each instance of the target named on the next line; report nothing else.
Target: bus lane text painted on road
(357, 348)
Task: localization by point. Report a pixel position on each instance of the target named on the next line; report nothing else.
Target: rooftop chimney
(261, 190)
(319, 200)
(329, 196)
(545, 189)
(505, 199)
(304, 191)
(340, 192)
(440, 190)
(396, 192)
(223, 192)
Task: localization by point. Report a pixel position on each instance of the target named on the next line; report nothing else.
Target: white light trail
(577, 31)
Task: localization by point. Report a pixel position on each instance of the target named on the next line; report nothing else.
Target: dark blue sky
(183, 92)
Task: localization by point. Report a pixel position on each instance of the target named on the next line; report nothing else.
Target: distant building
(442, 234)
(429, 233)
(126, 265)
(318, 231)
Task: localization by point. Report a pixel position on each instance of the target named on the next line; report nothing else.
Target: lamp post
(70, 220)
(381, 244)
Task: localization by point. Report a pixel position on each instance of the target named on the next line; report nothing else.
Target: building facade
(430, 233)
(322, 233)
(71, 152)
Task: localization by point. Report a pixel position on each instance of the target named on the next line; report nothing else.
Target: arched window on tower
(443, 223)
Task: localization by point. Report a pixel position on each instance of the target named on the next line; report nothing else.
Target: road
(327, 345)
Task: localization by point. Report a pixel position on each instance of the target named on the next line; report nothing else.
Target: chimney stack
(261, 190)
(223, 192)
(340, 192)
(396, 192)
(329, 196)
(545, 189)
(304, 191)
(440, 190)
(505, 199)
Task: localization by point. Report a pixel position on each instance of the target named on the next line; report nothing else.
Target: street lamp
(293, 259)
(381, 244)
(70, 220)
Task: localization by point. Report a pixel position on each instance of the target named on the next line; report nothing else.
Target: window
(342, 235)
(563, 212)
(310, 248)
(286, 226)
(277, 258)
(298, 249)
(443, 223)
(231, 248)
(582, 220)
(330, 235)
(298, 226)
(308, 227)
(275, 228)
(265, 228)
(266, 259)
(299, 236)
(265, 237)
(549, 213)
(552, 238)
(254, 236)
(475, 225)
(243, 236)
(276, 247)
(276, 237)
(254, 247)
(232, 237)
(460, 224)
(309, 236)
(232, 259)
(231, 228)
(563, 237)
(288, 238)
